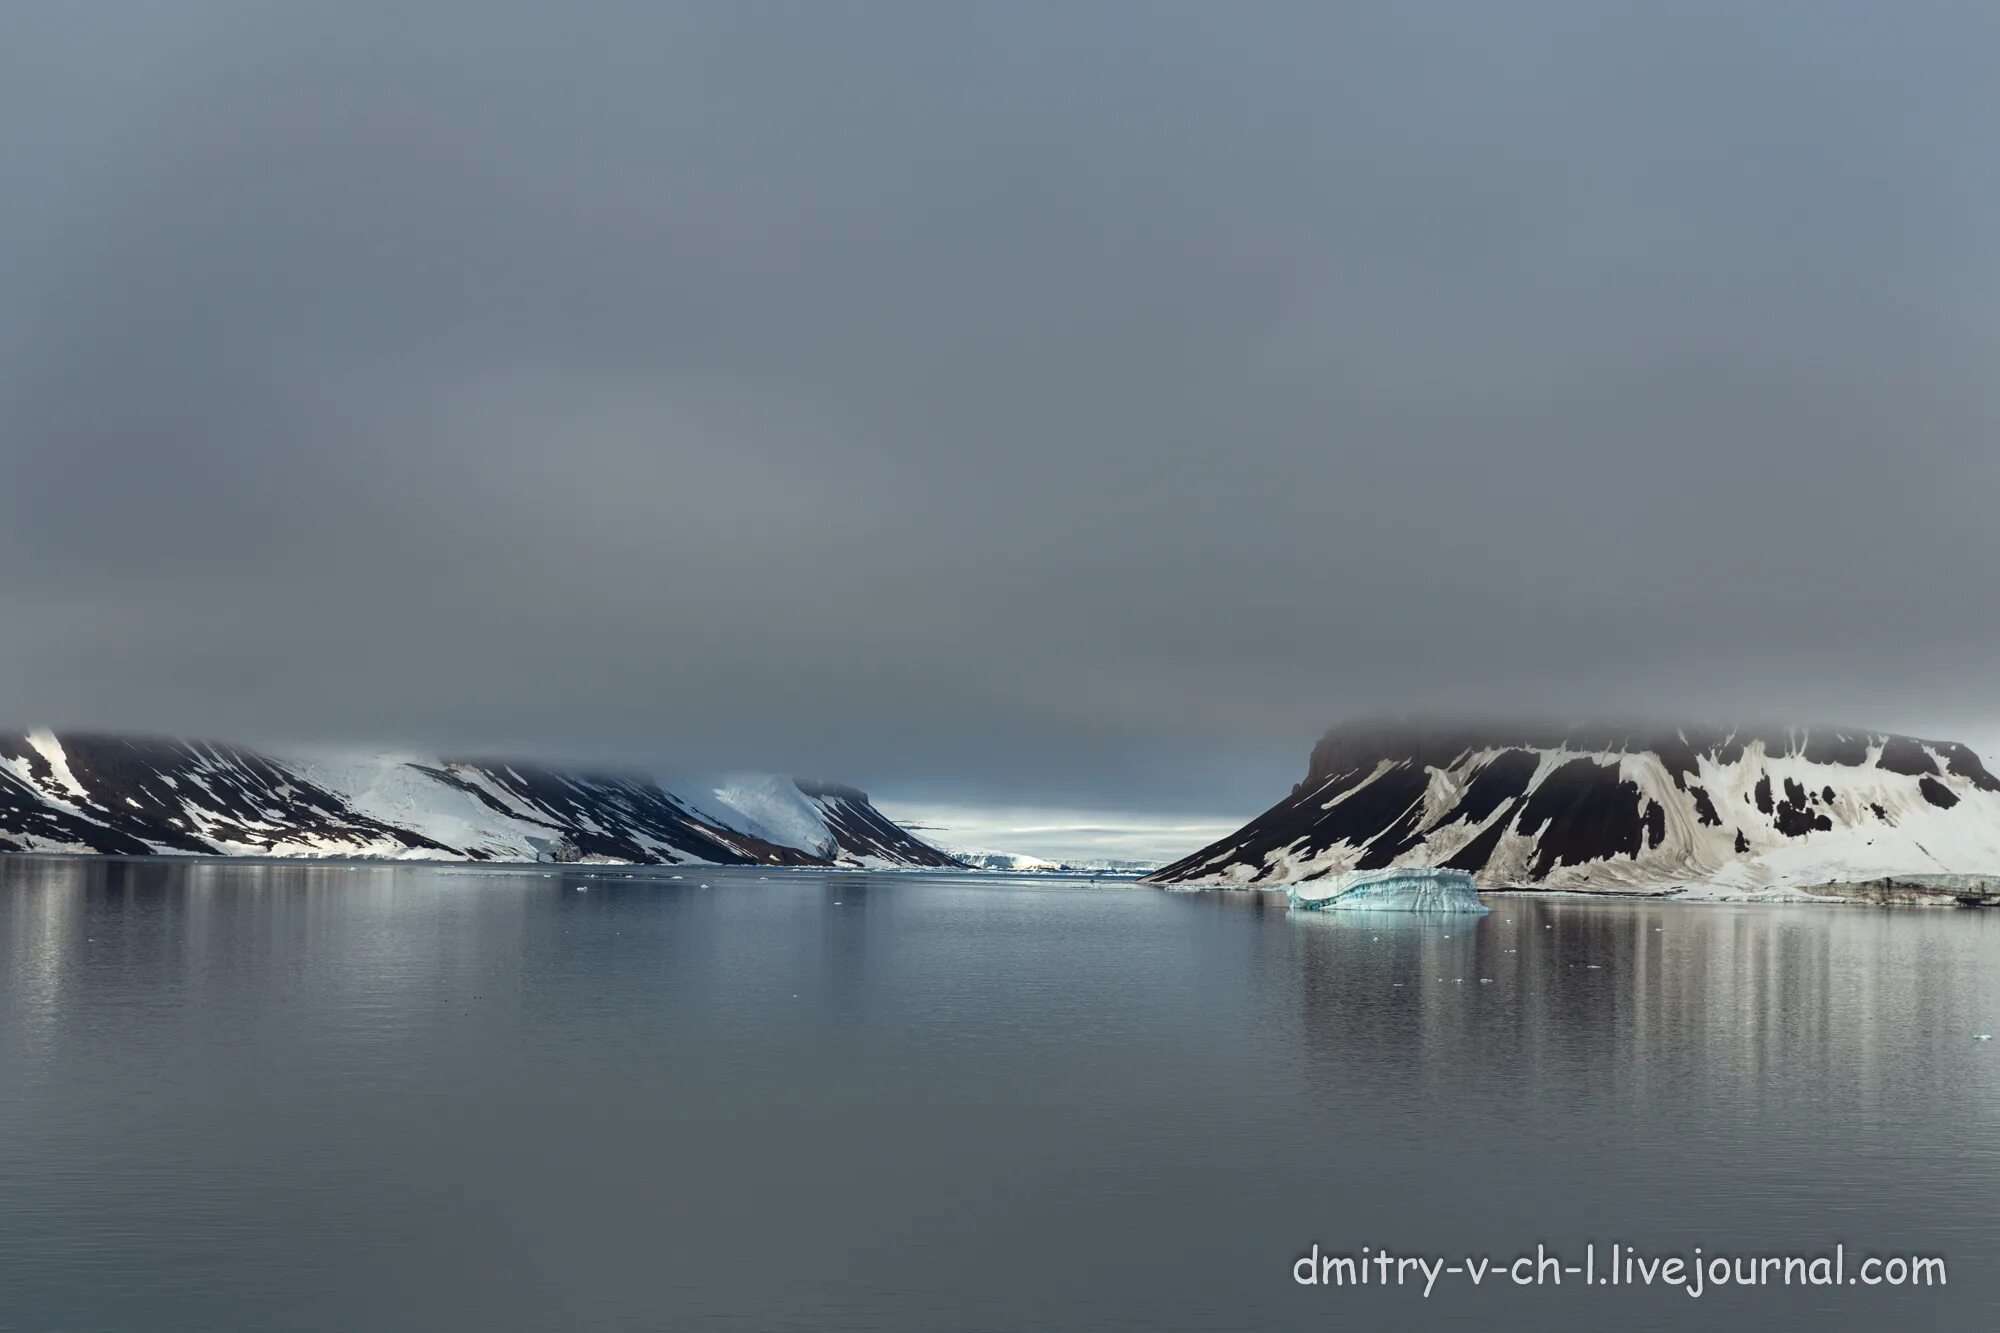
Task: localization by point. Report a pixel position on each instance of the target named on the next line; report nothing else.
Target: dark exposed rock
(862, 830)
(1503, 779)
(1824, 746)
(1964, 763)
(1902, 755)
(1937, 793)
(1589, 813)
(1475, 854)
(1796, 821)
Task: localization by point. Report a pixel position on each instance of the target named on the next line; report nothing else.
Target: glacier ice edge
(1406, 889)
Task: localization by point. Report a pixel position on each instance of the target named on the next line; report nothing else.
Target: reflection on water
(408, 1097)
(1769, 1003)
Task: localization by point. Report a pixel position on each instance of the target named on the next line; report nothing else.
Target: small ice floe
(1458, 981)
(704, 886)
(1594, 967)
(1510, 951)
(1486, 981)
(581, 889)
(677, 876)
(836, 902)
(1984, 1036)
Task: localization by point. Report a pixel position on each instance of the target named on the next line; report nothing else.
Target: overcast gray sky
(1039, 404)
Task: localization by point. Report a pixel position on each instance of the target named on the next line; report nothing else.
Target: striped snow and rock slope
(1715, 810)
(138, 796)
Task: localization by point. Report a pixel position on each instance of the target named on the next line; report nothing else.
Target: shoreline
(1876, 891)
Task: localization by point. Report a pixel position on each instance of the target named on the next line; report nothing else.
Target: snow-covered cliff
(119, 794)
(1726, 809)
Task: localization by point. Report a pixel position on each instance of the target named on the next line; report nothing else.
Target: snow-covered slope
(865, 835)
(1021, 863)
(980, 858)
(92, 793)
(766, 804)
(1713, 809)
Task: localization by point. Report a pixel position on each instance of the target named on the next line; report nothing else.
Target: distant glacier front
(1409, 889)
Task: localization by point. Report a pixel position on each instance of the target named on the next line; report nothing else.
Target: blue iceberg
(1408, 889)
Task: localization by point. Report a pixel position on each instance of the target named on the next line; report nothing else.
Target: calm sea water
(342, 1098)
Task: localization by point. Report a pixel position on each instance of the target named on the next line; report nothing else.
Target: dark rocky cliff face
(863, 831)
(135, 795)
(612, 816)
(1574, 805)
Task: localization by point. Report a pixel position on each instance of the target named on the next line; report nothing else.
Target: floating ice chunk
(1984, 1036)
(1412, 889)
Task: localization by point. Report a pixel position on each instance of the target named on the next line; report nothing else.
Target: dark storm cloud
(1029, 399)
